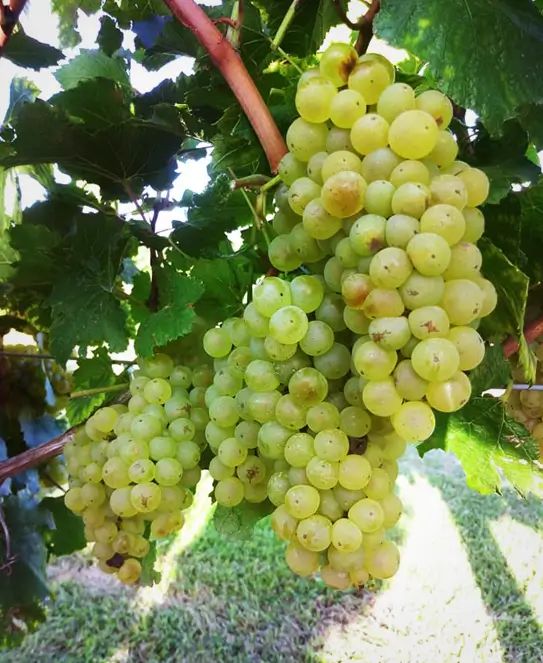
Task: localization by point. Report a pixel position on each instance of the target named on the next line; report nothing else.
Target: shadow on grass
(520, 634)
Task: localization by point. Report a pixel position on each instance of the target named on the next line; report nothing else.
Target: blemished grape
(420, 290)
(411, 199)
(390, 333)
(379, 164)
(449, 395)
(390, 268)
(437, 105)
(444, 220)
(429, 253)
(300, 560)
(463, 301)
(343, 194)
(477, 185)
(270, 295)
(314, 167)
(314, 533)
(409, 385)
(449, 190)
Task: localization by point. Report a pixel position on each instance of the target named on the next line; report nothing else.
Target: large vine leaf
(490, 445)
(486, 54)
(28, 52)
(494, 372)
(92, 64)
(508, 317)
(66, 10)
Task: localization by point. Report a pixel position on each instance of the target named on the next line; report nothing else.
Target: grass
(469, 590)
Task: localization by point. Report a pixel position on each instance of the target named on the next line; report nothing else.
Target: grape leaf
(462, 40)
(91, 373)
(494, 372)
(149, 575)
(508, 317)
(238, 522)
(24, 51)
(67, 535)
(110, 38)
(177, 294)
(92, 64)
(8, 256)
(66, 11)
(21, 91)
(491, 447)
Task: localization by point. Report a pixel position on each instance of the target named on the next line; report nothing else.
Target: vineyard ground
(469, 590)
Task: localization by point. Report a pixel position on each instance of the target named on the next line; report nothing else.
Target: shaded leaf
(239, 522)
(494, 372)
(91, 373)
(21, 91)
(68, 535)
(110, 38)
(66, 11)
(149, 575)
(92, 64)
(226, 283)
(28, 52)
(462, 50)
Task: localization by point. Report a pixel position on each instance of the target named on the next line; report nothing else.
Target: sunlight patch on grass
(432, 610)
(522, 547)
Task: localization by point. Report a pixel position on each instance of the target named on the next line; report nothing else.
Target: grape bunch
(132, 467)
(329, 374)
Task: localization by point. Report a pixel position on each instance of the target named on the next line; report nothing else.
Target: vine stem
(285, 23)
(531, 332)
(99, 390)
(229, 63)
(366, 27)
(10, 17)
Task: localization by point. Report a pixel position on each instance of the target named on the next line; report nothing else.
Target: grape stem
(366, 27)
(9, 17)
(229, 63)
(531, 332)
(99, 390)
(285, 23)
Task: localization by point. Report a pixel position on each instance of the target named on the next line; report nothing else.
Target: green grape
(409, 385)
(355, 320)
(390, 333)
(289, 414)
(410, 171)
(162, 447)
(307, 293)
(304, 139)
(270, 295)
(322, 474)
(392, 508)
(477, 185)
(288, 325)
(333, 271)
(259, 376)
(394, 100)
(346, 255)
(176, 407)
(219, 470)
(331, 445)
(277, 487)
(335, 363)
(420, 290)
(168, 471)
(131, 450)
(290, 168)
(339, 162)
(351, 391)
(319, 223)
(470, 346)
(413, 134)
(346, 108)
(136, 405)
(370, 133)
(378, 198)
(466, 261)
(104, 419)
(367, 235)
(429, 253)
(299, 449)
(373, 361)
(283, 255)
(159, 366)
(462, 301)
(190, 479)
(367, 515)
(145, 497)
(435, 359)
(450, 395)
(379, 486)
(217, 342)
(354, 422)
(283, 524)
(238, 361)
(308, 74)
(414, 421)
(355, 289)
(338, 139)
(381, 397)
(314, 167)
(281, 198)
(383, 562)
(445, 150)
(437, 105)
(343, 496)
(429, 322)
(106, 533)
(444, 220)
(393, 448)
(475, 224)
(74, 501)
(343, 194)
(379, 165)
(92, 473)
(308, 387)
(411, 199)
(102, 551)
(120, 503)
(301, 193)
(229, 492)
(297, 476)
(180, 430)
(226, 382)
(277, 351)
(188, 454)
(390, 268)
(181, 377)
(370, 78)
(232, 452)
(247, 433)
(200, 418)
(329, 507)
(302, 501)
(322, 416)
(272, 438)
(337, 62)
(257, 323)
(359, 577)
(346, 561)
(284, 221)
(115, 473)
(314, 533)
(346, 536)
(124, 423)
(223, 411)
(354, 472)
(301, 561)
(449, 190)
(202, 376)
(262, 405)
(157, 391)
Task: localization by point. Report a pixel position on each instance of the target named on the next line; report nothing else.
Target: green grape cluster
(326, 378)
(132, 467)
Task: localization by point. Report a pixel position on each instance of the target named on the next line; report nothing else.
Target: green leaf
(68, 533)
(92, 64)
(489, 444)
(177, 294)
(149, 575)
(508, 317)
(21, 91)
(91, 373)
(25, 51)
(309, 27)
(66, 11)
(494, 372)
(462, 40)
(239, 522)
(110, 38)
(8, 256)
